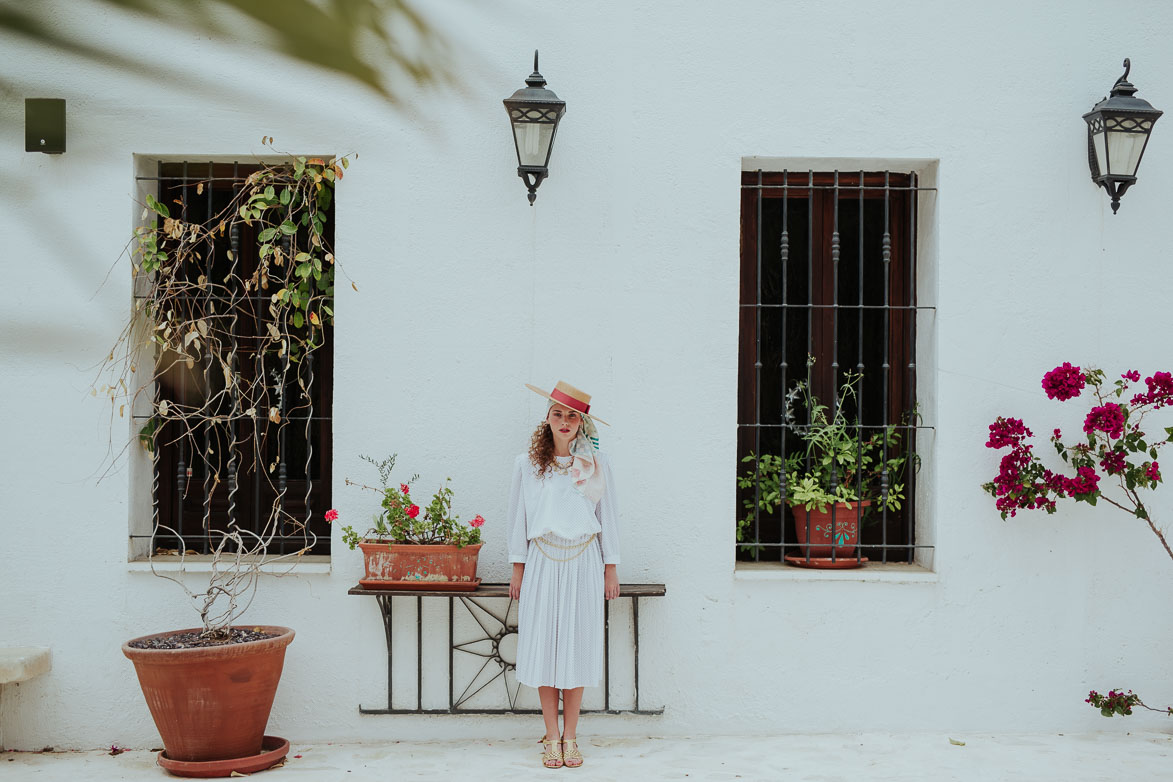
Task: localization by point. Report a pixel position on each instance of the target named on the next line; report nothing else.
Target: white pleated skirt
(560, 617)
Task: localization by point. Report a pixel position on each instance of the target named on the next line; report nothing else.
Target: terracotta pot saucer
(420, 585)
(273, 751)
(825, 563)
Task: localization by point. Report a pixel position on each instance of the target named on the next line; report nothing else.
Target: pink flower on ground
(1063, 382)
(1109, 418)
(331, 515)
(403, 487)
(413, 511)
(479, 521)
(1153, 472)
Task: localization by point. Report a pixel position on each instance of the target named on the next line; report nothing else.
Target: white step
(21, 663)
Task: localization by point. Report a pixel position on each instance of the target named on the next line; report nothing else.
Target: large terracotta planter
(820, 544)
(211, 703)
(442, 567)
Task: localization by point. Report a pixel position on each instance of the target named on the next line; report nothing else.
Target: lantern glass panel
(533, 142)
(1101, 153)
(1124, 151)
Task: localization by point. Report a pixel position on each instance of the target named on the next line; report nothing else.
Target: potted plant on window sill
(412, 548)
(210, 689)
(831, 482)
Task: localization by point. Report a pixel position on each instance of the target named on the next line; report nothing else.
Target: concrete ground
(825, 758)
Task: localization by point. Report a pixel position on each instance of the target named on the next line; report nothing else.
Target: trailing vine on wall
(243, 336)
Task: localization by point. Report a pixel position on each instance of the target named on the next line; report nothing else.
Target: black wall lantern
(534, 112)
(1118, 129)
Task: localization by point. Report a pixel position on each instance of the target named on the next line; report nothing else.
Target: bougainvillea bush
(1115, 460)
(1120, 702)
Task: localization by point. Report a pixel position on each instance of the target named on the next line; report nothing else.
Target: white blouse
(551, 505)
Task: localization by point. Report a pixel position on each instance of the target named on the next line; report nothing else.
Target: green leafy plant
(836, 460)
(401, 520)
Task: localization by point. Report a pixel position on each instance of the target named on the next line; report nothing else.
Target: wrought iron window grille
(185, 495)
(828, 270)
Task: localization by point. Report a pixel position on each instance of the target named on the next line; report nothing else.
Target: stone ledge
(875, 572)
(310, 564)
(21, 663)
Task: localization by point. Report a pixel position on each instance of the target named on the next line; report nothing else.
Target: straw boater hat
(566, 394)
(584, 469)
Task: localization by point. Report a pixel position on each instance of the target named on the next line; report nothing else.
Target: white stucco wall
(622, 280)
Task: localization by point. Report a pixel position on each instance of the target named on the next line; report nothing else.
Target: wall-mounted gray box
(44, 125)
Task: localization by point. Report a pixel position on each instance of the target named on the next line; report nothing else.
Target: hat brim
(546, 394)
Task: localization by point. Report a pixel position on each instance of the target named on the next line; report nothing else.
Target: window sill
(890, 573)
(202, 563)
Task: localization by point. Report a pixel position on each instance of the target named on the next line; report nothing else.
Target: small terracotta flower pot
(819, 524)
(419, 566)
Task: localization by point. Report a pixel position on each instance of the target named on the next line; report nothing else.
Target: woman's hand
(515, 581)
(610, 582)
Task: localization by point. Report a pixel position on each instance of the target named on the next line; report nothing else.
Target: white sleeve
(518, 542)
(607, 512)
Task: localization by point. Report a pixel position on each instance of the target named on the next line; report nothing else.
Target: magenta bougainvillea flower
(1007, 431)
(1063, 382)
(1160, 389)
(1100, 461)
(1024, 483)
(1113, 462)
(1085, 482)
(1108, 418)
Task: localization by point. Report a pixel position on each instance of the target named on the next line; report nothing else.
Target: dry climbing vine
(241, 335)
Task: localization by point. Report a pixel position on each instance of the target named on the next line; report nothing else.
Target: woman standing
(564, 545)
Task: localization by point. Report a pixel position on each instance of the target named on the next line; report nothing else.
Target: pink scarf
(584, 469)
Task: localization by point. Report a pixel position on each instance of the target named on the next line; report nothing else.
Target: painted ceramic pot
(819, 532)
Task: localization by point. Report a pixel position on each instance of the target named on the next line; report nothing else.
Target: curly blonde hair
(541, 448)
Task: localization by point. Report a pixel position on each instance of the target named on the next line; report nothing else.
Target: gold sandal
(551, 758)
(569, 755)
